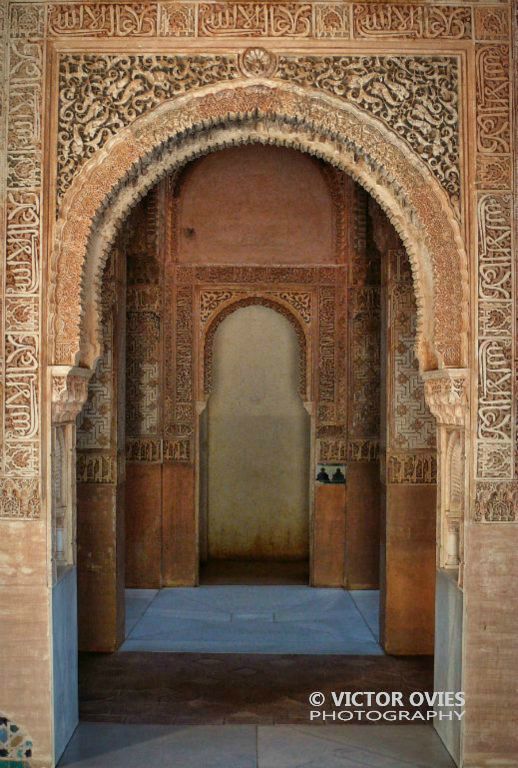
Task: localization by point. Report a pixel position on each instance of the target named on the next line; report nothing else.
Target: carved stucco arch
(257, 299)
(257, 111)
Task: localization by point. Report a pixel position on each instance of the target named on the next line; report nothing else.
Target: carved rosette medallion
(257, 62)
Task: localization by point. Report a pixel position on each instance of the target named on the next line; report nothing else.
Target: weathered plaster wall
(255, 205)
(258, 441)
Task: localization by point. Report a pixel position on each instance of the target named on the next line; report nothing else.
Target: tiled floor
(252, 619)
(330, 746)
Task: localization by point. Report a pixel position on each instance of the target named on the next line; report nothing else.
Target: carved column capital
(446, 393)
(69, 391)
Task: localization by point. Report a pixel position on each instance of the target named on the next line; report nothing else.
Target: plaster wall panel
(143, 525)
(23, 553)
(255, 205)
(258, 435)
(362, 526)
(180, 551)
(100, 586)
(490, 631)
(409, 543)
(329, 536)
(25, 663)
(64, 650)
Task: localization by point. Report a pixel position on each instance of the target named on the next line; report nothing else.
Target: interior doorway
(255, 455)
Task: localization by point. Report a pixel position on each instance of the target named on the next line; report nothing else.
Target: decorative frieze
(363, 450)
(421, 97)
(493, 99)
(22, 144)
(412, 468)
(96, 468)
(273, 20)
(495, 337)
(146, 449)
(103, 19)
(413, 21)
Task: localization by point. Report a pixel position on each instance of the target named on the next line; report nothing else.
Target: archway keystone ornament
(133, 160)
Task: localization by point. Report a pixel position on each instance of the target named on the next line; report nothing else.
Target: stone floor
(254, 572)
(252, 619)
(227, 688)
(330, 746)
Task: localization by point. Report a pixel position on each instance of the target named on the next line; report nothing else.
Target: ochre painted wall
(258, 441)
(255, 204)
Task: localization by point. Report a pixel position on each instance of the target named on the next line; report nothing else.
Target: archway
(104, 192)
(260, 111)
(257, 450)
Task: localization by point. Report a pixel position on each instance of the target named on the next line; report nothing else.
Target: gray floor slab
(351, 746)
(96, 745)
(137, 602)
(368, 603)
(99, 745)
(249, 619)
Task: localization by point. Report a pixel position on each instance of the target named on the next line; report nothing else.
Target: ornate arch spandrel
(256, 299)
(252, 111)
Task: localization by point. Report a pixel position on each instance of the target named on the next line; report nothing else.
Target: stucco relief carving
(103, 19)
(492, 22)
(270, 20)
(493, 99)
(69, 392)
(495, 334)
(496, 502)
(416, 96)
(19, 497)
(20, 192)
(415, 469)
(132, 85)
(411, 425)
(364, 310)
(257, 62)
(411, 21)
(446, 395)
(448, 322)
